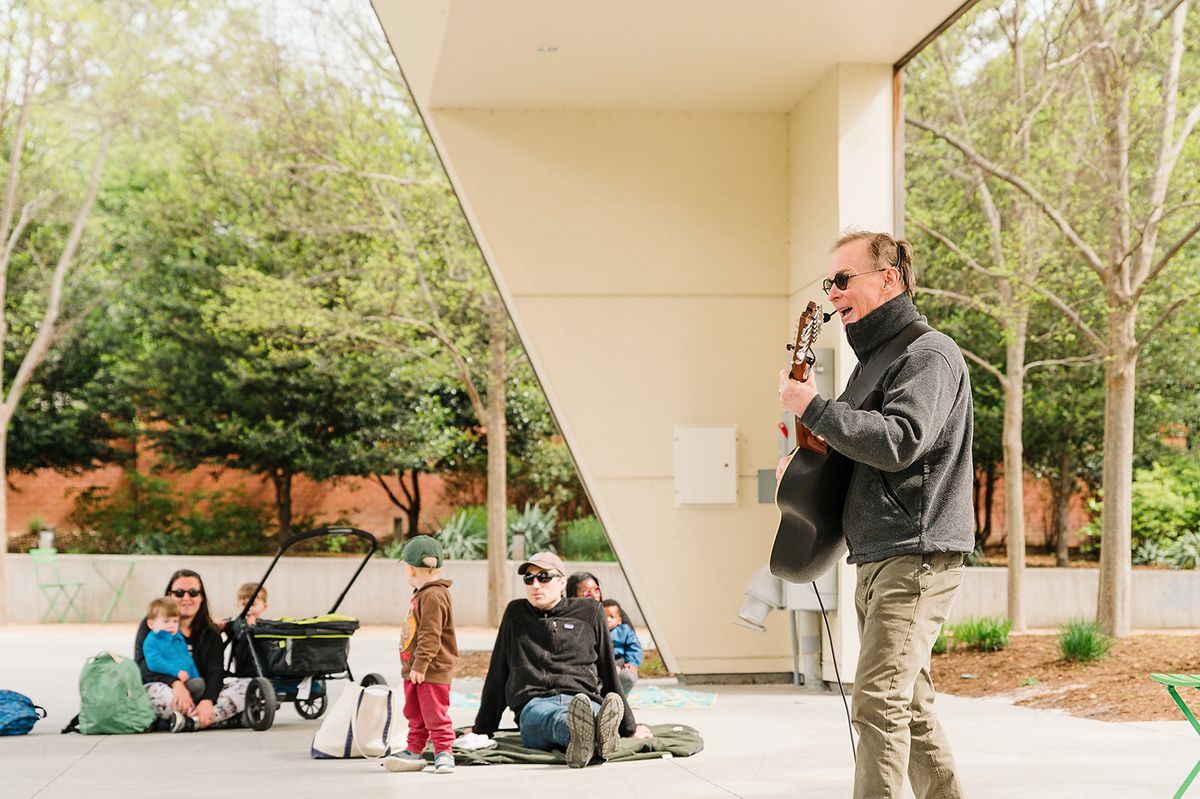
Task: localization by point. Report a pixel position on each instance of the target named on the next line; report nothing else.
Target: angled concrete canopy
(655, 187)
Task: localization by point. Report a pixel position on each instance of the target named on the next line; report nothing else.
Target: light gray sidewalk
(760, 741)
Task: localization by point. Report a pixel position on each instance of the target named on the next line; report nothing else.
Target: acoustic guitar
(811, 494)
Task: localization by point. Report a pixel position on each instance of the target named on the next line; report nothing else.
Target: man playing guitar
(908, 516)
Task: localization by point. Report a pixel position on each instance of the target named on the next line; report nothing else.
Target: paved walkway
(760, 741)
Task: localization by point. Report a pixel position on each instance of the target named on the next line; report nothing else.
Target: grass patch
(1082, 641)
(941, 644)
(989, 634)
(652, 665)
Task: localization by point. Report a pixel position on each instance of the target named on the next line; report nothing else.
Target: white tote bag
(365, 722)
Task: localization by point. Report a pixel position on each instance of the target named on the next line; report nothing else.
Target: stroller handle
(319, 532)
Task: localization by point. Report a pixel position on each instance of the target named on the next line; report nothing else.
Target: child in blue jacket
(165, 649)
(626, 646)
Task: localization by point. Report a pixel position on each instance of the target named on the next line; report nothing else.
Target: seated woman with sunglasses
(172, 701)
(553, 665)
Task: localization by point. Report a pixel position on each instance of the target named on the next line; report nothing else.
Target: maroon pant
(427, 706)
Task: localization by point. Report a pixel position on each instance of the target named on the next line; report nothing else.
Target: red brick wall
(1038, 519)
(50, 497)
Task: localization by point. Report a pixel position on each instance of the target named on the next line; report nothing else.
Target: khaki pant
(902, 603)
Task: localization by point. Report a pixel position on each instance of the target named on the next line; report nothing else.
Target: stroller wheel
(311, 708)
(372, 679)
(260, 704)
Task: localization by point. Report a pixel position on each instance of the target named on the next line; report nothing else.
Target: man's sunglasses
(182, 592)
(842, 279)
(541, 577)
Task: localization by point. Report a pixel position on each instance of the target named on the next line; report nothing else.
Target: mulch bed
(1030, 673)
(1115, 688)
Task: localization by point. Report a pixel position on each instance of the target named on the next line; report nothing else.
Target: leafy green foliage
(147, 516)
(1183, 552)
(1166, 507)
(464, 535)
(1082, 641)
(988, 634)
(537, 524)
(584, 539)
(941, 644)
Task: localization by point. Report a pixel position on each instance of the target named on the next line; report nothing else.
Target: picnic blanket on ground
(649, 697)
(670, 740)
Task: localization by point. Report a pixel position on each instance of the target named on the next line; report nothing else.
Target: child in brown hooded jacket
(427, 658)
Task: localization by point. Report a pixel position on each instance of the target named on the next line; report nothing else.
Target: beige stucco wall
(840, 147)
(652, 261)
(644, 260)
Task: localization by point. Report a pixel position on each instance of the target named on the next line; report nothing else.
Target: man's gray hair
(885, 251)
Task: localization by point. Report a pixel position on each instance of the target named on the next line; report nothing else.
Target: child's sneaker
(581, 724)
(608, 725)
(443, 763)
(182, 723)
(404, 761)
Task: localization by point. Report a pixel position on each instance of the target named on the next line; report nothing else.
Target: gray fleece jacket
(910, 491)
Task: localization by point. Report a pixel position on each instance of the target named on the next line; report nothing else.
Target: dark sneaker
(443, 763)
(608, 725)
(182, 723)
(404, 761)
(581, 724)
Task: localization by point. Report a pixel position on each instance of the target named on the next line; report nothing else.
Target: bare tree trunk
(281, 479)
(1014, 471)
(1113, 603)
(413, 511)
(497, 456)
(410, 505)
(42, 342)
(1062, 509)
(989, 501)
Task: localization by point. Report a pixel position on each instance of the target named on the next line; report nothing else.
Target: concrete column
(841, 159)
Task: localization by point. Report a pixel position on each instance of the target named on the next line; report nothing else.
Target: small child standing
(244, 592)
(427, 658)
(166, 652)
(626, 647)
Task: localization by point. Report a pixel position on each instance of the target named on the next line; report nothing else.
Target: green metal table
(117, 580)
(1173, 682)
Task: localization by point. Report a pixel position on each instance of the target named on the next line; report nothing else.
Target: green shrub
(941, 644)
(1166, 504)
(1149, 553)
(142, 516)
(1183, 552)
(463, 536)
(1082, 641)
(584, 539)
(147, 516)
(985, 635)
(535, 524)
(975, 557)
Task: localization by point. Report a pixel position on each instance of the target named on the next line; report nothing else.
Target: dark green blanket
(677, 740)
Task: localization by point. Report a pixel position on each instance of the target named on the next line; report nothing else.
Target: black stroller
(290, 660)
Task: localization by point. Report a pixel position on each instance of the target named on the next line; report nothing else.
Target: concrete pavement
(760, 741)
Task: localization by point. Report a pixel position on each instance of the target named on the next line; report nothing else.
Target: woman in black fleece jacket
(553, 665)
(221, 700)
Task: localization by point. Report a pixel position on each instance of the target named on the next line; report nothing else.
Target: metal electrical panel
(705, 464)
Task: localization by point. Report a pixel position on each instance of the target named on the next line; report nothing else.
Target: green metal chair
(60, 595)
(1173, 682)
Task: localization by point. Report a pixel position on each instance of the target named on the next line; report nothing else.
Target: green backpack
(112, 700)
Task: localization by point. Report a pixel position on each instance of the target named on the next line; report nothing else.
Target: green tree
(1127, 219)
(74, 74)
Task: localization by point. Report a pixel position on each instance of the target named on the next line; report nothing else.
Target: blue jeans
(543, 722)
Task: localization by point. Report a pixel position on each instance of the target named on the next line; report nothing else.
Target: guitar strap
(864, 380)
